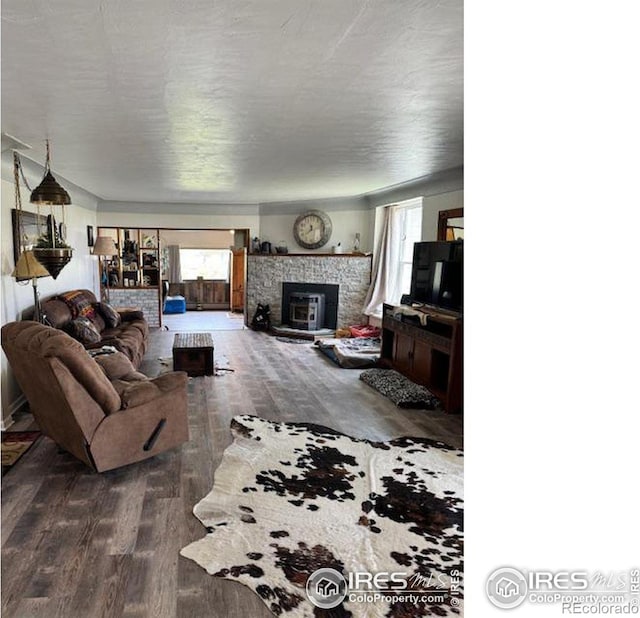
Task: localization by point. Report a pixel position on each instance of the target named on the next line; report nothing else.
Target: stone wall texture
(140, 298)
(267, 273)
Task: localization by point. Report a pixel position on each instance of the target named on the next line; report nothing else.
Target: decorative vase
(54, 259)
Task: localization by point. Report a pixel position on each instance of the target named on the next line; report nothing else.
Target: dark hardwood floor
(80, 544)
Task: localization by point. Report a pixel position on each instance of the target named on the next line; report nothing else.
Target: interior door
(238, 273)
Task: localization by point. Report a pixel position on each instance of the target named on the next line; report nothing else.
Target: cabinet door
(421, 368)
(403, 353)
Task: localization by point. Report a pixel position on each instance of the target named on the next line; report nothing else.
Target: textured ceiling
(235, 100)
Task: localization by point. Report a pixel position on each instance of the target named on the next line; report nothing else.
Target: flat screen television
(436, 276)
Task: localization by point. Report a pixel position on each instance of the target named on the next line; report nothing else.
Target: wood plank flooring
(76, 543)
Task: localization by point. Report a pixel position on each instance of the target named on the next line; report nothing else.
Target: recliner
(100, 410)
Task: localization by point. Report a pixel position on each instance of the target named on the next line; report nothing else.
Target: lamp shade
(105, 245)
(50, 192)
(28, 267)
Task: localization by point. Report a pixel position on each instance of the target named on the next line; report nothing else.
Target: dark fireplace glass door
(306, 311)
(303, 313)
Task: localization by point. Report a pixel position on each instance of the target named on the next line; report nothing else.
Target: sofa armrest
(128, 315)
(171, 381)
(140, 392)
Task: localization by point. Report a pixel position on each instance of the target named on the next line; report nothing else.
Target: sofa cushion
(117, 366)
(80, 302)
(110, 315)
(56, 313)
(128, 340)
(83, 330)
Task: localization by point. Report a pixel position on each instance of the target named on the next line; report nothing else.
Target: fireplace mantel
(310, 255)
(267, 272)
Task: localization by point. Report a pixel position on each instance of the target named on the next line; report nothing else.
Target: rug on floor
(14, 445)
(291, 498)
(399, 389)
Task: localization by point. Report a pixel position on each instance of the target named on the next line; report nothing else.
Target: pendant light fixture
(49, 191)
(51, 249)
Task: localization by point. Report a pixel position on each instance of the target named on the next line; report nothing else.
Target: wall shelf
(135, 268)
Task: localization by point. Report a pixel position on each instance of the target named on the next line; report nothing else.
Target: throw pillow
(80, 303)
(84, 331)
(110, 315)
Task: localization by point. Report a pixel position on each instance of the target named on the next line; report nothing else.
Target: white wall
(197, 239)
(180, 216)
(80, 272)
(268, 222)
(432, 205)
(278, 228)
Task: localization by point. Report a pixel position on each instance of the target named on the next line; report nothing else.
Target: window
(400, 228)
(205, 263)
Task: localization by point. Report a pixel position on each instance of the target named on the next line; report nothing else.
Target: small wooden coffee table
(193, 353)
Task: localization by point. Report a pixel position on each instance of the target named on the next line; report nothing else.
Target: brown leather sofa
(99, 409)
(129, 335)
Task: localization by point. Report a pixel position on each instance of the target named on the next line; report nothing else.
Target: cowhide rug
(290, 498)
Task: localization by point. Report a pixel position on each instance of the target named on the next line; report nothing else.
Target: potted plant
(51, 250)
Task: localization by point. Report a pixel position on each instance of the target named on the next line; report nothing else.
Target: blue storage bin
(175, 304)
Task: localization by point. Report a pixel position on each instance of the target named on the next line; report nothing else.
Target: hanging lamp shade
(54, 259)
(50, 192)
(28, 267)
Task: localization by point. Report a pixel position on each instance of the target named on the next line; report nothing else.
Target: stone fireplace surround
(267, 273)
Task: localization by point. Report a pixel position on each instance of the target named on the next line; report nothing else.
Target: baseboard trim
(15, 406)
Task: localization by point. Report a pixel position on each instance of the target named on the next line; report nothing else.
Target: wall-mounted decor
(34, 226)
(312, 229)
(90, 238)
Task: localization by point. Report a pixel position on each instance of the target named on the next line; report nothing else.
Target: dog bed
(351, 353)
(399, 389)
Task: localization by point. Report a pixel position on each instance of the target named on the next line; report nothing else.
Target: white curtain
(175, 274)
(386, 282)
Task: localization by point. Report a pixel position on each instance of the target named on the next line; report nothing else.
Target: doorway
(203, 274)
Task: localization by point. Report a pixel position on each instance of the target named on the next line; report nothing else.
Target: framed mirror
(451, 224)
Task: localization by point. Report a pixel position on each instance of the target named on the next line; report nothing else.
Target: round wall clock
(312, 229)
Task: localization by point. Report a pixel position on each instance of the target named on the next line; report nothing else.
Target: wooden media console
(425, 344)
